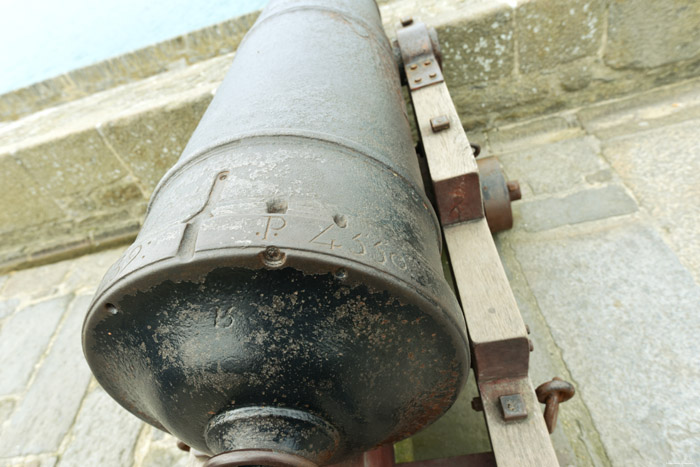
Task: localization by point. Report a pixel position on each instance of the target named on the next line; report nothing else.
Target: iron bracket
(418, 52)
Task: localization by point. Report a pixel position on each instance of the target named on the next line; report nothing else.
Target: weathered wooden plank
(449, 149)
(522, 443)
(496, 329)
(453, 169)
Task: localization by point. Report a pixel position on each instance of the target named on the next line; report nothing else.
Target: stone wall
(81, 153)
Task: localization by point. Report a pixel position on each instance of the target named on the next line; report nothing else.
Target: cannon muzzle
(285, 293)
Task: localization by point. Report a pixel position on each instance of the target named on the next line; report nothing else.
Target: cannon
(285, 298)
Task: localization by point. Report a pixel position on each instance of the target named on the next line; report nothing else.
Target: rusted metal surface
(288, 271)
(254, 457)
(476, 149)
(497, 194)
(384, 457)
(553, 393)
(420, 56)
(458, 199)
(514, 190)
(482, 459)
(513, 407)
(439, 123)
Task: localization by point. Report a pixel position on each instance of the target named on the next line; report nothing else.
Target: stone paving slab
(575, 208)
(662, 168)
(23, 340)
(45, 414)
(104, 434)
(623, 310)
(555, 167)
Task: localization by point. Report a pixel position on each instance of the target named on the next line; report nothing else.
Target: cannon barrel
(285, 293)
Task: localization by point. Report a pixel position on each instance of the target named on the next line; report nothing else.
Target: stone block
(536, 132)
(122, 193)
(555, 167)
(151, 142)
(581, 206)
(163, 452)
(648, 34)
(552, 32)
(662, 168)
(88, 270)
(22, 203)
(46, 413)
(104, 434)
(36, 282)
(172, 53)
(233, 30)
(71, 166)
(478, 46)
(623, 310)
(654, 109)
(31, 461)
(6, 408)
(505, 100)
(7, 307)
(23, 339)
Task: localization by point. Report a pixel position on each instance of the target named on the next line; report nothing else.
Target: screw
(406, 21)
(514, 190)
(552, 394)
(272, 253)
(273, 257)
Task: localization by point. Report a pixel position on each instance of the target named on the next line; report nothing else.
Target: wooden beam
(500, 346)
(453, 169)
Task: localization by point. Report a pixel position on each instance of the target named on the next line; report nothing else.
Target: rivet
(427, 63)
(418, 80)
(432, 75)
(406, 21)
(414, 66)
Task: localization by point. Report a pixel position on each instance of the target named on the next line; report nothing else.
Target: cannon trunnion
(285, 292)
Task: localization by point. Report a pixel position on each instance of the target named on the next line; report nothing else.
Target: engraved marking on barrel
(363, 250)
(189, 236)
(271, 228)
(398, 261)
(376, 247)
(330, 244)
(224, 318)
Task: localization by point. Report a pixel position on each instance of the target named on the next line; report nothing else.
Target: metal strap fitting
(418, 54)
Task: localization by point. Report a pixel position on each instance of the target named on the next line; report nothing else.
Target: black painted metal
(286, 292)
